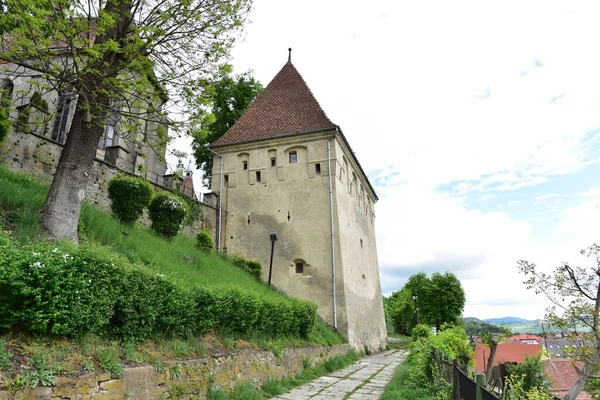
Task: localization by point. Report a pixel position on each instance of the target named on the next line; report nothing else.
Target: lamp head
(273, 236)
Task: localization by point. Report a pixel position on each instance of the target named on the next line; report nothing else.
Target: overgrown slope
(178, 261)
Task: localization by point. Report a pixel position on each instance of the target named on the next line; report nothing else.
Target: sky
(477, 122)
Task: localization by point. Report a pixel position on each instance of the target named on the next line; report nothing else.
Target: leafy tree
(114, 57)
(530, 374)
(4, 125)
(400, 308)
(575, 295)
(222, 101)
(440, 299)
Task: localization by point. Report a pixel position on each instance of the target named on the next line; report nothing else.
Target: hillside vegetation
(474, 327)
(127, 284)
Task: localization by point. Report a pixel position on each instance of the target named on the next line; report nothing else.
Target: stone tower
(287, 168)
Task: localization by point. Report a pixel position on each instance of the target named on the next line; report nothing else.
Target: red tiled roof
(519, 338)
(506, 352)
(562, 375)
(285, 107)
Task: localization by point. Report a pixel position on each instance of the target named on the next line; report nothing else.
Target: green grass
(22, 198)
(401, 387)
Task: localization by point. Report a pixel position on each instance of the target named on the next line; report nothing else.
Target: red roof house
(527, 339)
(562, 375)
(506, 352)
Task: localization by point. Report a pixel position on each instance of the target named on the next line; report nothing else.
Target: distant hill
(505, 320)
(517, 325)
(474, 327)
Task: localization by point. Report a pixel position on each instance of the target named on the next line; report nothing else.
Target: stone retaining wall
(38, 156)
(183, 379)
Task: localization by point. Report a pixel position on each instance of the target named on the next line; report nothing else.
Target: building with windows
(135, 145)
(285, 167)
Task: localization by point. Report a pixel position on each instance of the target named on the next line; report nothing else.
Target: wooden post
(455, 380)
(480, 381)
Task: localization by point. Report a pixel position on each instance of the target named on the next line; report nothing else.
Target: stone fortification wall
(38, 156)
(183, 379)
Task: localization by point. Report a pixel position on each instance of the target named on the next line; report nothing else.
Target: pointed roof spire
(285, 107)
(290, 55)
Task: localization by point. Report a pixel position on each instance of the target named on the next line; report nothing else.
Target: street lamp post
(273, 236)
(416, 313)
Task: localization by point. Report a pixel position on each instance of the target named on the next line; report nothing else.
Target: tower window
(245, 165)
(318, 168)
(293, 157)
(299, 267)
(226, 179)
(257, 176)
(273, 162)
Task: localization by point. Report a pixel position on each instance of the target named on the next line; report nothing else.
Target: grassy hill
(517, 325)
(174, 267)
(474, 327)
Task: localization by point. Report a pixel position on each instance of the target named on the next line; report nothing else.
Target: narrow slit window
(318, 168)
(299, 267)
(226, 180)
(245, 165)
(273, 162)
(257, 176)
(293, 157)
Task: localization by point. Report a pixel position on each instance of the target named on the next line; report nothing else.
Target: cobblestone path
(363, 380)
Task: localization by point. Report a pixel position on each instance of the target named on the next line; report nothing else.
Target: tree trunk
(490, 362)
(580, 382)
(62, 207)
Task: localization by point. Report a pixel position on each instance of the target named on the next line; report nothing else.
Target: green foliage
(129, 197)
(72, 291)
(194, 207)
(5, 356)
(109, 360)
(222, 100)
(572, 291)
(402, 387)
(420, 332)
(476, 327)
(399, 308)
(56, 289)
(167, 213)
(441, 298)
(529, 374)
(204, 241)
(252, 267)
(122, 52)
(425, 373)
(4, 125)
(514, 390)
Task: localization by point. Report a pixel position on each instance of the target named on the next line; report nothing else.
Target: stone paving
(363, 380)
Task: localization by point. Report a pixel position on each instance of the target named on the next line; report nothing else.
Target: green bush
(129, 197)
(252, 267)
(61, 290)
(204, 241)
(71, 291)
(4, 125)
(167, 213)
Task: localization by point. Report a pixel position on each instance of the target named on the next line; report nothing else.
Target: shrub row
(252, 267)
(70, 291)
(129, 197)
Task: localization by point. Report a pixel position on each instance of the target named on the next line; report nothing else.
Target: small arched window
(299, 264)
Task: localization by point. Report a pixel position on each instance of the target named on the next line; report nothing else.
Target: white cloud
(489, 97)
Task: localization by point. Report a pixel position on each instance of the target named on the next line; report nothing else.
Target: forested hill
(474, 327)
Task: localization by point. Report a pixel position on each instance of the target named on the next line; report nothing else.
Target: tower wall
(292, 199)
